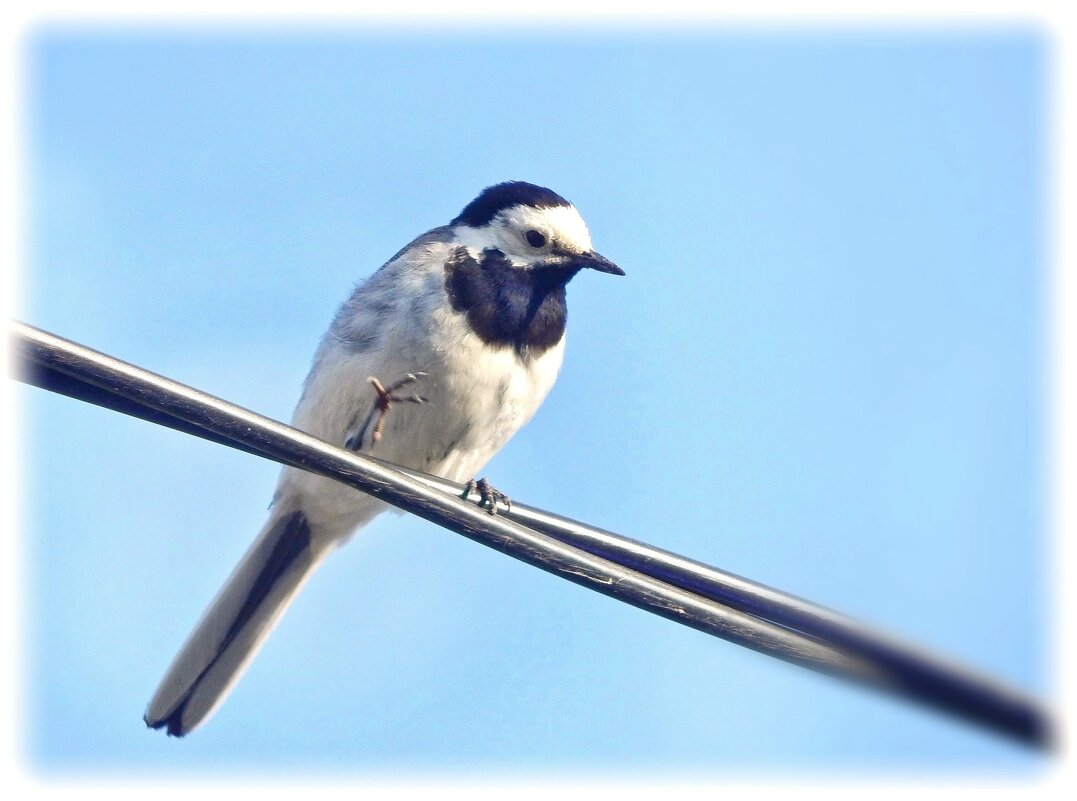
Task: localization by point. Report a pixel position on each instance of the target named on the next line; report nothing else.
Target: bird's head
(534, 227)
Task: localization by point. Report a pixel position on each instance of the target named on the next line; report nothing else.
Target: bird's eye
(535, 239)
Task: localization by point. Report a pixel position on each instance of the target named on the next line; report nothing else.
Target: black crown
(497, 198)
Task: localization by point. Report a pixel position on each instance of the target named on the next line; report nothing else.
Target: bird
(432, 363)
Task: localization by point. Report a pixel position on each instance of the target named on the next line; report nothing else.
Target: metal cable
(665, 583)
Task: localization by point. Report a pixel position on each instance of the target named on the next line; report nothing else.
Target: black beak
(596, 261)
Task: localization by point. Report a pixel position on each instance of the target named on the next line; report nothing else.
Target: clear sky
(824, 370)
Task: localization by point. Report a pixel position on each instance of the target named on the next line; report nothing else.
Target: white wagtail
(472, 316)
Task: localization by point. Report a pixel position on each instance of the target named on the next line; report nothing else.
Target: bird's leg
(386, 397)
(488, 495)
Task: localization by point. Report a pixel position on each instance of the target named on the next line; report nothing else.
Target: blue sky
(824, 370)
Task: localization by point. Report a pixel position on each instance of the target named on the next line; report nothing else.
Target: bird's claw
(489, 496)
(386, 397)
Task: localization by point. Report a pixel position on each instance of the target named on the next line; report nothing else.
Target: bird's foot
(386, 397)
(488, 495)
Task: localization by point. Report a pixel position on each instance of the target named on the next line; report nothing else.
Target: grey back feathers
(361, 318)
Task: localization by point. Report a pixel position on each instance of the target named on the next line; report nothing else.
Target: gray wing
(362, 318)
(383, 330)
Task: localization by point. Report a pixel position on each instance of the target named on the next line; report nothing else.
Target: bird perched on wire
(433, 363)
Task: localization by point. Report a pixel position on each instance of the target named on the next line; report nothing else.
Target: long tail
(236, 624)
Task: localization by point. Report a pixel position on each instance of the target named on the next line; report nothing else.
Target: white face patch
(562, 227)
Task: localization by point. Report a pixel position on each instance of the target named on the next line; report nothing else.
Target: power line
(683, 590)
